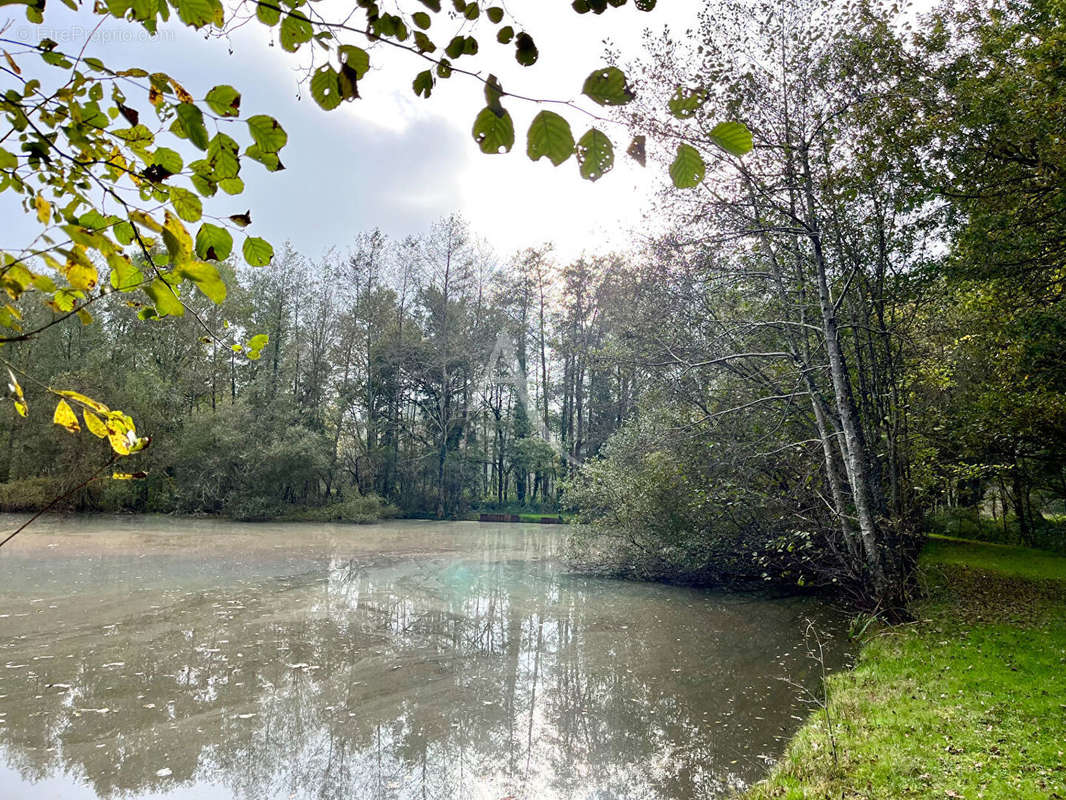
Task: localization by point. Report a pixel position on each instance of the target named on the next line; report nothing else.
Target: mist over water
(168, 658)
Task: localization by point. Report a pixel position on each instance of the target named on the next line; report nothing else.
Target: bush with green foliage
(358, 509)
(661, 503)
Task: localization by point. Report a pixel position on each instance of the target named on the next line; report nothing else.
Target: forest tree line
(391, 371)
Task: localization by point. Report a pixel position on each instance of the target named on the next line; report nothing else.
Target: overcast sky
(391, 159)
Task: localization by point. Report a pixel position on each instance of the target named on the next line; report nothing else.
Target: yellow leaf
(179, 90)
(15, 280)
(64, 416)
(121, 419)
(95, 405)
(20, 399)
(147, 221)
(44, 209)
(177, 239)
(10, 316)
(95, 425)
(82, 276)
(128, 476)
(119, 443)
(122, 434)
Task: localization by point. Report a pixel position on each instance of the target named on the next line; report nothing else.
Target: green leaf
(231, 185)
(206, 278)
(191, 121)
(268, 12)
(162, 296)
(422, 19)
(268, 160)
(204, 186)
(225, 101)
(123, 232)
(686, 102)
(424, 43)
(505, 34)
(494, 132)
(493, 93)
(355, 57)
(688, 168)
(140, 136)
(7, 160)
(455, 47)
(213, 243)
(423, 83)
(325, 87)
(595, 155)
(223, 158)
(197, 13)
(186, 204)
(549, 135)
(124, 275)
(168, 159)
(295, 30)
(495, 14)
(608, 87)
(257, 252)
(526, 52)
(733, 137)
(93, 220)
(267, 133)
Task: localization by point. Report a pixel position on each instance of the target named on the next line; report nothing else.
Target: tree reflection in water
(472, 666)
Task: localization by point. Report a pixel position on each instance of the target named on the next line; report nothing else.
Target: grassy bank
(967, 702)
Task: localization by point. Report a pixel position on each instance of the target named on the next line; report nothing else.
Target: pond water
(149, 657)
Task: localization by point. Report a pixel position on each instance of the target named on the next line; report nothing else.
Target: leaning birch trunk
(855, 455)
(827, 433)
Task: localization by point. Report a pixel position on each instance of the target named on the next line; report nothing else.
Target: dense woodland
(851, 334)
(391, 370)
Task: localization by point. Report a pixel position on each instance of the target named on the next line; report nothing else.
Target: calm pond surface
(149, 657)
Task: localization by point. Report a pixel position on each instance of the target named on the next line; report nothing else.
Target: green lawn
(967, 702)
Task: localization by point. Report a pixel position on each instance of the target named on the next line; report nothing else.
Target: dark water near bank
(161, 658)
